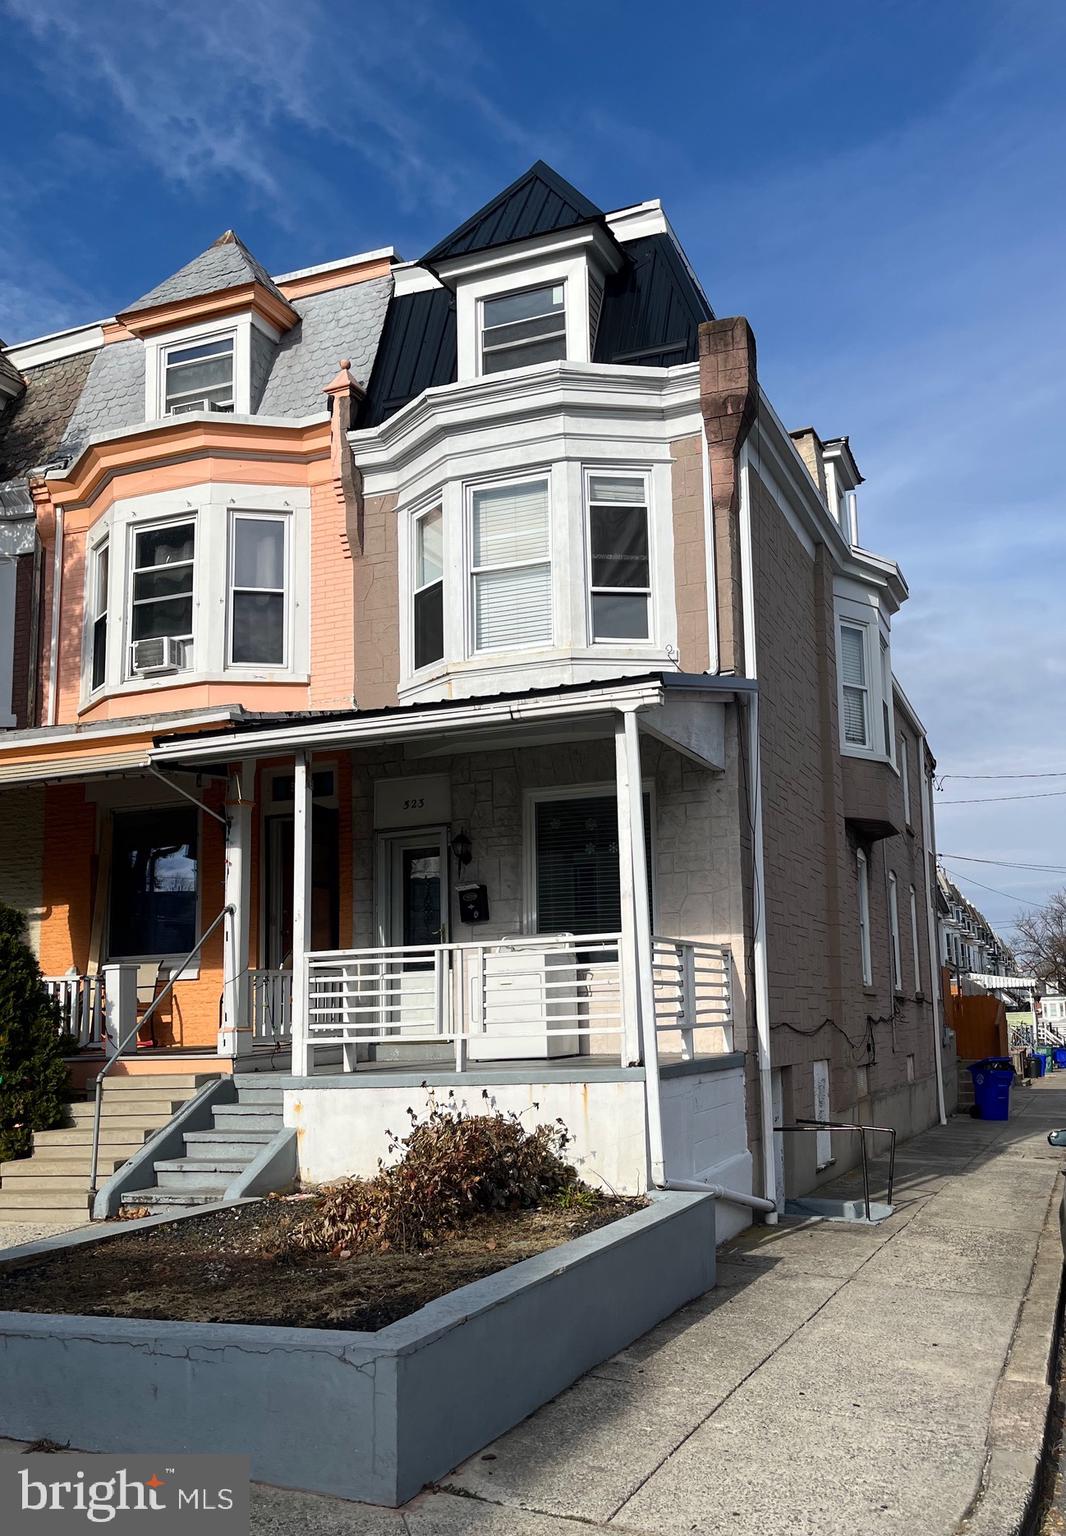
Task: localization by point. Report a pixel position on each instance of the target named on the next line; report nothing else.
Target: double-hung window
(855, 690)
(886, 696)
(510, 571)
(914, 941)
(163, 567)
(428, 604)
(865, 951)
(519, 329)
(893, 927)
(619, 558)
(905, 779)
(101, 562)
(257, 590)
(198, 376)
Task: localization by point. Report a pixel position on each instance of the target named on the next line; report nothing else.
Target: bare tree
(1040, 946)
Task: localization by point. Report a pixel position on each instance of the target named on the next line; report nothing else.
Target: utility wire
(969, 858)
(1057, 773)
(1047, 794)
(971, 881)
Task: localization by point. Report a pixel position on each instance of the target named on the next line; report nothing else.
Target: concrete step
(164, 1103)
(252, 1093)
(209, 1144)
(40, 1183)
(82, 1136)
(248, 1117)
(122, 1115)
(159, 1200)
(199, 1173)
(41, 1216)
(141, 1082)
(55, 1166)
(12, 1200)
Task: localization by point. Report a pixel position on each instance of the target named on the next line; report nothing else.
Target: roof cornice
(181, 312)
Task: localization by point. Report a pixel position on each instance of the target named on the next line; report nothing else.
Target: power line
(971, 881)
(969, 858)
(1056, 773)
(1047, 794)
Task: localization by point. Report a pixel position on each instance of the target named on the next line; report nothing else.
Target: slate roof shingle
(226, 264)
(112, 397)
(33, 426)
(342, 322)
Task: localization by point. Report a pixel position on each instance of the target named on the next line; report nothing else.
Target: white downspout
(761, 966)
(53, 643)
(928, 854)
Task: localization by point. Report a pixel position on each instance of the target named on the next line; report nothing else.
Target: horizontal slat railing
(81, 1007)
(535, 996)
(270, 1006)
(693, 992)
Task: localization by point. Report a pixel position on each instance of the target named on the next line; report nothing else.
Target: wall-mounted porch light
(461, 848)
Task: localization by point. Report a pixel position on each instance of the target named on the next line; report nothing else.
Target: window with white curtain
(865, 951)
(510, 566)
(619, 557)
(893, 925)
(257, 590)
(855, 690)
(428, 605)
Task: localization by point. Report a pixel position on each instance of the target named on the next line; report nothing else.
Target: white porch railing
(499, 1000)
(81, 1006)
(270, 1006)
(693, 992)
(525, 997)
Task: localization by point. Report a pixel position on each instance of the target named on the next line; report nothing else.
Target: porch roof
(453, 725)
(96, 749)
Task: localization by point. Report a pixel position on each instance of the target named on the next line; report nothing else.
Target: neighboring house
(455, 666)
(968, 942)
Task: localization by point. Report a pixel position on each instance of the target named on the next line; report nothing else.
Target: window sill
(869, 991)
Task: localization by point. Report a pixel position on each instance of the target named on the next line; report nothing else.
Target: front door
(412, 914)
(325, 885)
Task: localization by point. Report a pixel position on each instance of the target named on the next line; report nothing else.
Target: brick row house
(452, 672)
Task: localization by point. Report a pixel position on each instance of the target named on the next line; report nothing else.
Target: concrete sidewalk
(839, 1378)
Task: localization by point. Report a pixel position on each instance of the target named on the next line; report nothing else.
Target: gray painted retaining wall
(368, 1416)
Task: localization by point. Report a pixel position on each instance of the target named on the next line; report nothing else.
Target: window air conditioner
(161, 654)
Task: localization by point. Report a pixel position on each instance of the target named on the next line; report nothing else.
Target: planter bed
(367, 1415)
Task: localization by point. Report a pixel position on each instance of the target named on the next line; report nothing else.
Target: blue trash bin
(1059, 1053)
(991, 1087)
(1040, 1063)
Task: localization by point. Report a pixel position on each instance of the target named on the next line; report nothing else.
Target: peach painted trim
(160, 445)
(166, 317)
(340, 277)
(113, 331)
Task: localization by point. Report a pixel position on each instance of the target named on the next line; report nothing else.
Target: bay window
(257, 590)
(428, 585)
(154, 883)
(519, 329)
(510, 569)
(619, 558)
(198, 376)
(98, 614)
(854, 685)
(163, 569)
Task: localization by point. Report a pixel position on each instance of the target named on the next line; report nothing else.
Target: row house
(968, 942)
(453, 674)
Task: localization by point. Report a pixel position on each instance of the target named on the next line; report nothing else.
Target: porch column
(120, 1009)
(627, 958)
(235, 1036)
(301, 911)
(633, 812)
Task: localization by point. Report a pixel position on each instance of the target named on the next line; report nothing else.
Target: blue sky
(878, 188)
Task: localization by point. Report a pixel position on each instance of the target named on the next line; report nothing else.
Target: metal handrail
(803, 1124)
(122, 1044)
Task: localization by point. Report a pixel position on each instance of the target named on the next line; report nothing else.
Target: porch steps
(213, 1158)
(51, 1186)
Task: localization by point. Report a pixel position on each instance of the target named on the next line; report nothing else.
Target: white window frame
(615, 471)
(249, 514)
(864, 631)
(854, 613)
(239, 327)
(572, 271)
(93, 614)
(893, 931)
(905, 776)
(169, 348)
(887, 711)
(918, 988)
(414, 525)
(535, 797)
(520, 287)
(470, 490)
(862, 866)
(151, 526)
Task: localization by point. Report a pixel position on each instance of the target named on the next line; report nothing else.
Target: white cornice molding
(49, 349)
(550, 400)
(584, 239)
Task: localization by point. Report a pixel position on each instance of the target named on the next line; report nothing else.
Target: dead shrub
(453, 1167)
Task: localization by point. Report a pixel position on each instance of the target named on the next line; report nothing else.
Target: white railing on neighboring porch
(270, 1006)
(81, 1006)
(530, 997)
(501, 1000)
(693, 994)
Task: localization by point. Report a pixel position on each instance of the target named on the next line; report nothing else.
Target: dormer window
(198, 376)
(523, 328)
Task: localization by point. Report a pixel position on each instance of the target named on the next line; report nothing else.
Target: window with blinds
(576, 855)
(854, 687)
(619, 560)
(510, 570)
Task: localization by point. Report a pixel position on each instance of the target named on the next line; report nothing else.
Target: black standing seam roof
(651, 314)
(538, 203)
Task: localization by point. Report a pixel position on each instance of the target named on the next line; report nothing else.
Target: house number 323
(415, 805)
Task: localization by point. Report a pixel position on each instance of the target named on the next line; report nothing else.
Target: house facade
(452, 672)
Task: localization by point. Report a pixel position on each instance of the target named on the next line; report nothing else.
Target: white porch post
(301, 912)
(120, 1008)
(627, 958)
(642, 924)
(235, 1035)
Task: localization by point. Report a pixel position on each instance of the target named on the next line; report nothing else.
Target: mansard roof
(228, 263)
(538, 203)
